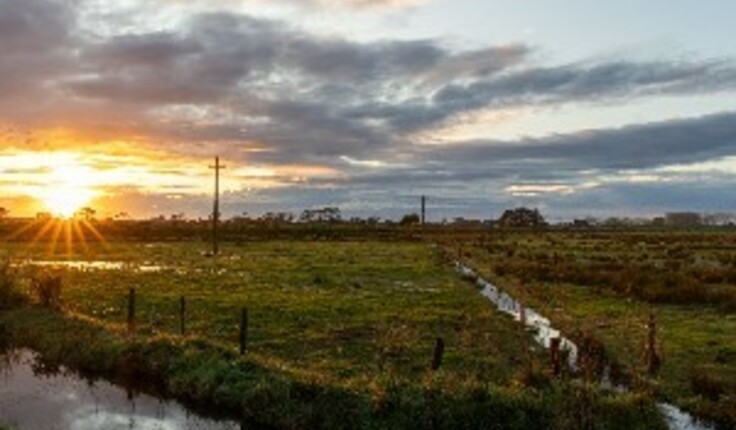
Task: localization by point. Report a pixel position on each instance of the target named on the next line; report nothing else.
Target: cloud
(558, 169)
(269, 93)
(372, 3)
(36, 37)
(576, 83)
(226, 77)
(637, 146)
(354, 4)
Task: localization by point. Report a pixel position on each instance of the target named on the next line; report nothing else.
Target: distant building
(467, 223)
(683, 219)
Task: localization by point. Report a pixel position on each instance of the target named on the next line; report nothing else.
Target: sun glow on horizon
(61, 182)
(70, 187)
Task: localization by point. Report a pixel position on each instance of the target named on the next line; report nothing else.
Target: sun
(69, 188)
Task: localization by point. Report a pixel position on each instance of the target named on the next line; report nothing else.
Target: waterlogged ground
(544, 332)
(36, 396)
(337, 311)
(573, 279)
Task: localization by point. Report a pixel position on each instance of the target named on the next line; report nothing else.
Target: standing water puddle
(677, 419)
(88, 266)
(33, 399)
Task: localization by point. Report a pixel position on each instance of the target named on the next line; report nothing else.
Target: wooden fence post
(653, 360)
(183, 315)
(131, 310)
(554, 349)
(439, 350)
(243, 330)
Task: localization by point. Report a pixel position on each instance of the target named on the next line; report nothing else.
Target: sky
(576, 107)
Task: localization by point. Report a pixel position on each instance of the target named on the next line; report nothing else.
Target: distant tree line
(520, 217)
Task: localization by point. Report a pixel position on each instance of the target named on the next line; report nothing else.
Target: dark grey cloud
(559, 159)
(34, 26)
(644, 199)
(241, 54)
(36, 37)
(597, 83)
(300, 93)
(632, 147)
(589, 82)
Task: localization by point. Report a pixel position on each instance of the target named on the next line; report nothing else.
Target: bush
(10, 292)
(706, 383)
(47, 289)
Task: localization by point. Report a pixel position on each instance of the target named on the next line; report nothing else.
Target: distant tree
(331, 214)
(522, 217)
(122, 215)
(4, 212)
(86, 213)
(328, 214)
(410, 219)
(278, 217)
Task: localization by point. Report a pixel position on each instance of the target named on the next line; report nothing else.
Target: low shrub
(47, 289)
(11, 294)
(706, 384)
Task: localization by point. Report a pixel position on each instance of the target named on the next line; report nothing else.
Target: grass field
(608, 283)
(354, 322)
(339, 311)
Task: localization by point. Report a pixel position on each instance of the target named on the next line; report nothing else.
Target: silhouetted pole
(424, 209)
(216, 208)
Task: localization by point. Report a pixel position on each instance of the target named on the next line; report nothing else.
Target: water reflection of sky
(30, 401)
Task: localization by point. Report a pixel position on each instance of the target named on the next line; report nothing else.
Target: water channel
(544, 332)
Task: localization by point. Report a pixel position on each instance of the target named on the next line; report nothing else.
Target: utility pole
(216, 209)
(424, 209)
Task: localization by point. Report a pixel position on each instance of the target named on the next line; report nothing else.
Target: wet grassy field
(347, 312)
(362, 316)
(607, 284)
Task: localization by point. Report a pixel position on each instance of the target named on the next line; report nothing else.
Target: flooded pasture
(93, 265)
(676, 418)
(36, 397)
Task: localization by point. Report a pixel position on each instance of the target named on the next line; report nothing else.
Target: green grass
(340, 332)
(696, 339)
(216, 379)
(345, 312)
